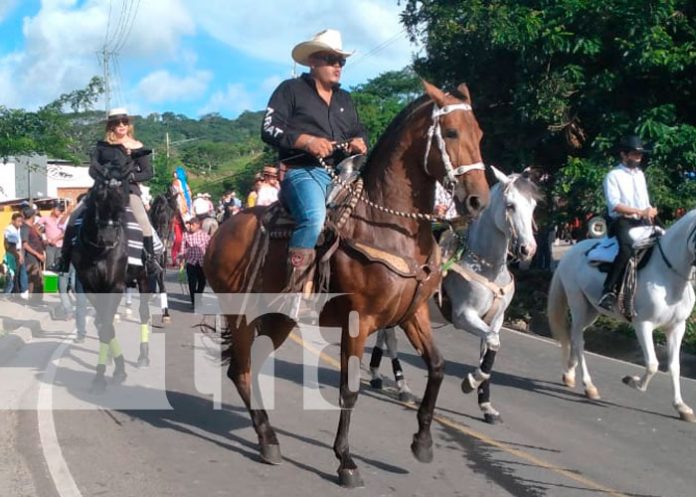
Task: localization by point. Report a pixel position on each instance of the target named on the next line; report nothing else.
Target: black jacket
(296, 107)
(109, 160)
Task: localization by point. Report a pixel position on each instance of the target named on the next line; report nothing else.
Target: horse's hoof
(421, 451)
(270, 454)
(592, 393)
(407, 397)
(467, 386)
(568, 381)
(376, 384)
(493, 419)
(166, 319)
(687, 416)
(350, 478)
(143, 362)
(98, 385)
(119, 377)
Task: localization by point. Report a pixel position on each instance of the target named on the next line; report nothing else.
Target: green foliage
(557, 81)
(380, 99)
(44, 131)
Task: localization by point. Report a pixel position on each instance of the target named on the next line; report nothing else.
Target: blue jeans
(80, 299)
(304, 193)
(22, 278)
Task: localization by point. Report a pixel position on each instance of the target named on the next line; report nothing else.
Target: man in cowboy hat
(305, 119)
(629, 205)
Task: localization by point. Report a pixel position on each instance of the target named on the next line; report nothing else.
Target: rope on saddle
(257, 257)
(627, 293)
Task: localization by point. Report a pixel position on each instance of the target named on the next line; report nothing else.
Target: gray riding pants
(138, 208)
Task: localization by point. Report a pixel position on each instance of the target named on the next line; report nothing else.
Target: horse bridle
(109, 223)
(435, 131)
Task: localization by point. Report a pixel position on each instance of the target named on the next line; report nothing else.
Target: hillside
(218, 153)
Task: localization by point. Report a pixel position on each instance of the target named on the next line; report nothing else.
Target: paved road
(553, 441)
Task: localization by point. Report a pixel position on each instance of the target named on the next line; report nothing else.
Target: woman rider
(120, 147)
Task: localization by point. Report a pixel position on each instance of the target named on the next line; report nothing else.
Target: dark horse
(101, 262)
(163, 212)
(436, 138)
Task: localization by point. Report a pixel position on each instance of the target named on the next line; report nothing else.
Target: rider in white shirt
(629, 206)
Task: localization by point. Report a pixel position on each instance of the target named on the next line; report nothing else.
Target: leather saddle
(341, 200)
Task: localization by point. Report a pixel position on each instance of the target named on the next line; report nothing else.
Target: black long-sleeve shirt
(296, 108)
(107, 155)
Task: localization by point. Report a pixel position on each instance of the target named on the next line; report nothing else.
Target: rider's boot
(301, 275)
(151, 264)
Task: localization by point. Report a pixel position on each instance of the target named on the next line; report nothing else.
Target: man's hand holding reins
(315, 145)
(649, 213)
(357, 146)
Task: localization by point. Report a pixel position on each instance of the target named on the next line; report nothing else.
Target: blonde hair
(110, 136)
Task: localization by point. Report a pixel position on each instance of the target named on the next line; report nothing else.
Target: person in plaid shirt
(193, 247)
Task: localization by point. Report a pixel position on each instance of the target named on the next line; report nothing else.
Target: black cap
(632, 143)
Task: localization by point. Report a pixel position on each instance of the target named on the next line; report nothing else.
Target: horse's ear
(435, 93)
(464, 92)
(499, 175)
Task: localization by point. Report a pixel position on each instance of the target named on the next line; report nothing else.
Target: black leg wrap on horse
(376, 357)
(484, 392)
(398, 372)
(488, 360)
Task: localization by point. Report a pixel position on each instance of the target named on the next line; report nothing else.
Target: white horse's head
(512, 203)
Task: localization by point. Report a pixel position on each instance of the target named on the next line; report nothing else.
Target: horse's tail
(557, 312)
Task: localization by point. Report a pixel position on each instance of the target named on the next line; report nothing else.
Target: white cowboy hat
(328, 40)
(118, 111)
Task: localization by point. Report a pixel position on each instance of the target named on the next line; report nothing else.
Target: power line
(379, 48)
(114, 41)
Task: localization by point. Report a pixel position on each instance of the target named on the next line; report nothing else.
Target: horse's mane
(527, 187)
(687, 219)
(396, 124)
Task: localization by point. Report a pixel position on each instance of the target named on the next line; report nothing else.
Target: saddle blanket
(607, 248)
(135, 239)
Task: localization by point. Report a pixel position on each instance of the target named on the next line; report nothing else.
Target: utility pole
(106, 55)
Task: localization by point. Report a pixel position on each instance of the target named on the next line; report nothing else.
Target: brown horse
(419, 147)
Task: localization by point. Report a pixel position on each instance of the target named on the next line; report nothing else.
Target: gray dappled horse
(478, 285)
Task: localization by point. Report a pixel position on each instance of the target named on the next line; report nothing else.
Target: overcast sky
(187, 56)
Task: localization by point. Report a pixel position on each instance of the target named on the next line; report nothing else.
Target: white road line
(551, 341)
(57, 466)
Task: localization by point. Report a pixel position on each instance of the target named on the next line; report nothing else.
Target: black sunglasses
(119, 120)
(331, 59)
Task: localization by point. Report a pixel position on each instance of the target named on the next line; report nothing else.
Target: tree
(380, 99)
(558, 80)
(44, 131)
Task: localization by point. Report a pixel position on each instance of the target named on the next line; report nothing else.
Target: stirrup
(608, 301)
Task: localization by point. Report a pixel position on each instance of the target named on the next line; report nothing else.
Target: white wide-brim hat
(118, 112)
(328, 40)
